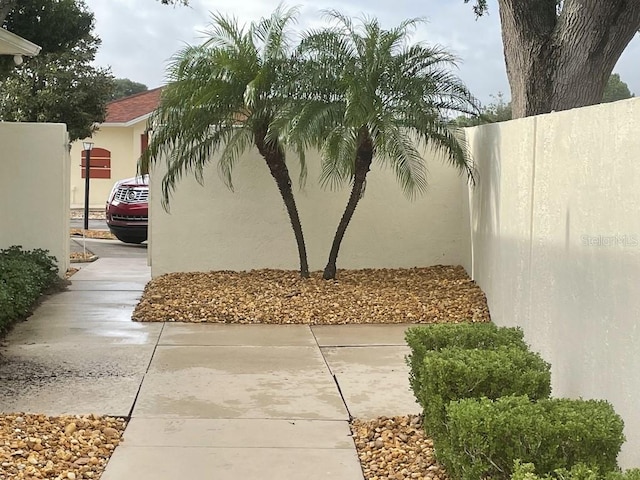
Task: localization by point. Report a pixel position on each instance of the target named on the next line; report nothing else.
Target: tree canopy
(123, 87)
(616, 90)
(60, 84)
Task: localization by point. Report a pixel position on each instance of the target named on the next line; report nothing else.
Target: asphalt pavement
(109, 248)
(93, 224)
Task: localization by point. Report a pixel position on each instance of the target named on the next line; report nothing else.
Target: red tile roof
(129, 108)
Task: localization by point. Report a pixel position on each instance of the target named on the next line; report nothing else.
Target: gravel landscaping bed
(94, 214)
(81, 257)
(395, 448)
(96, 234)
(56, 448)
(418, 295)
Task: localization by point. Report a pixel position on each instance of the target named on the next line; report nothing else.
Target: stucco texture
(34, 176)
(212, 228)
(556, 246)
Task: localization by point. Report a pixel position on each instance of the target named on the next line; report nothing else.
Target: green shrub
(24, 275)
(580, 471)
(486, 437)
(427, 338)
(632, 474)
(457, 373)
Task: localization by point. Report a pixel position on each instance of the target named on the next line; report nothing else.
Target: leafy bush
(428, 338)
(457, 373)
(24, 275)
(580, 471)
(486, 437)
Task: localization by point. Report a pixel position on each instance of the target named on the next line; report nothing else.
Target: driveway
(109, 248)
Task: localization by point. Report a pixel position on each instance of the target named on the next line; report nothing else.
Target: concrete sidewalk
(205, 400)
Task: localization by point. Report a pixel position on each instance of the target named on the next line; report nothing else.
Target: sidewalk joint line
(153, 354)
(335, 379)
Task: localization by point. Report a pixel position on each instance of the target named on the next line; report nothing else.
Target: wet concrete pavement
(205, 400)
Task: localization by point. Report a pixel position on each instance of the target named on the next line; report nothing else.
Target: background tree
(559, 54)
(616, 90)
(60, 84)
(500, 110)
(5, 7)
(221, 99)
(497, 111)
(123, 87)
(365, 93)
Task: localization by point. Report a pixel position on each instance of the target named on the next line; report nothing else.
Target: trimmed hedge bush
(428, 338)
(579, 471)
(486, 437)
(24, 275)
(457, 373)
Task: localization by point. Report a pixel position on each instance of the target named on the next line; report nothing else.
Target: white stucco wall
(124, 144)
(211, 228)
(556, 247)
(34, 193)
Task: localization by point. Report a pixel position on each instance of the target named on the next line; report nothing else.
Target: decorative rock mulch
(56, 448)
(418, 295)
(70, 271)
(81, 257)
(94, 214)
(395, 449)
(94, 234)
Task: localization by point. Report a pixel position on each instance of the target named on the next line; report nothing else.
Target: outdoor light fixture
(17, 59)
(87, 148)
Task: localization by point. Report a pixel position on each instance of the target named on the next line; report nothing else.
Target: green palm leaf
(220, 101)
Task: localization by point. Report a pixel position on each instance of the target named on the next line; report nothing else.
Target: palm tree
(221, 99)
(363, 93)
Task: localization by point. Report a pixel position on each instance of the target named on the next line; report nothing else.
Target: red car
(128, 209)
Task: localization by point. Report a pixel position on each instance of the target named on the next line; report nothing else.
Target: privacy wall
(555, 222)
(34, 188)
(212, 228)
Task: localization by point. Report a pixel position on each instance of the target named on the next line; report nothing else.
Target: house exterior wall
(212, 228)
(556, 246)
(34, 173)
(124, 144)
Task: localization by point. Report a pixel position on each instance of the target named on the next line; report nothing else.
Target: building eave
(12, 44)
(130, 123)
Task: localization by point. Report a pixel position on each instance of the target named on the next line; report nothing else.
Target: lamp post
(87, 149)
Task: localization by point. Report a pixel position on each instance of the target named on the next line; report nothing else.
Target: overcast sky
(139, 36)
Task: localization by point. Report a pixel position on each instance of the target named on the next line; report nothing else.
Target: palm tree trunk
(364, 155)
(274, 157)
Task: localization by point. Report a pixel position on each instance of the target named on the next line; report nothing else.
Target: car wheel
(136, 239)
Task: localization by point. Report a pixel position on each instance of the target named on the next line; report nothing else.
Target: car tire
(135, 239)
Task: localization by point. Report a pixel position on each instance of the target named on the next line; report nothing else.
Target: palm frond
(273, 34)
(355, 74)
(220, 95)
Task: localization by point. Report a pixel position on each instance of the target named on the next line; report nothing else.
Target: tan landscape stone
(435, 294)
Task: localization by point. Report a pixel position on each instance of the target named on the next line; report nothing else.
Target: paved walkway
(205, 400)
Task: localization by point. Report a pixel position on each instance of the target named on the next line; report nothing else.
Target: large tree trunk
(274, 157)
(558, 62)
(364, 155)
